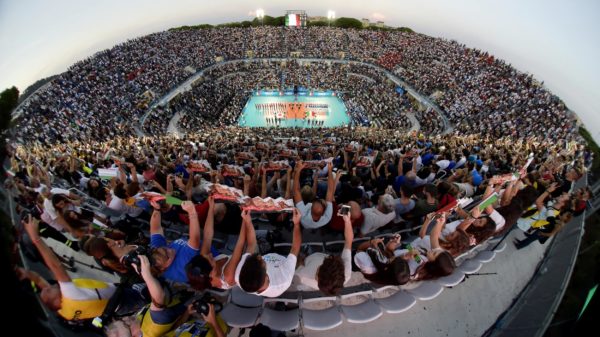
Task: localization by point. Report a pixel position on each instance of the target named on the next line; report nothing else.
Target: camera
(133, 257)
(201, 305)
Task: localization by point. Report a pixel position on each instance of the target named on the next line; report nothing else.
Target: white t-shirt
(307, 220)
(412, 264)
(49, 209)
(120, 206)
(467, 188)
(374, 219)
(71, 291)
(307, 274)
(498, 220)
(280, 270)
(450, 228)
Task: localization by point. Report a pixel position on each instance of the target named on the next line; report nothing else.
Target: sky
(555, 40)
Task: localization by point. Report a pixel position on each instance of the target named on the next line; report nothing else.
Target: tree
(317, 24)
(347, 23)
(405, 30)
(9, 99)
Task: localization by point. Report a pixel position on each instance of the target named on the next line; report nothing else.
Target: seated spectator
(428, 204)
(319, 212)
(356, 217)
(376, 217)
(439, 261)
(404, 204)
(205, 271)
(383, 267)
(328, 273)
(551, 226)
(270, 275)
(171, 258)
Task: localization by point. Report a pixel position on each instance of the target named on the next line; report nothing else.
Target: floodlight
(260, 13)
(330, 15)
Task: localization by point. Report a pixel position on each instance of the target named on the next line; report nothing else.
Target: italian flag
(292, 20)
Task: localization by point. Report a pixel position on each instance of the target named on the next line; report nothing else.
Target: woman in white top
(380, 264)
(439, 261)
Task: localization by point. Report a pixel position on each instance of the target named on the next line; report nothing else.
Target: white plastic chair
(485, 256)
(243, 309)
(470, 266)
(501, 247)
(426, 291)
(280, 320)
(363, 312)
(320, 320)
(399, 302)
(451, 280)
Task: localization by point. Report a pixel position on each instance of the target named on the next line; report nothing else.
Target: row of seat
(246, 310)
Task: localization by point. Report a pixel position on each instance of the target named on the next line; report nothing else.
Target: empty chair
(451, 280)
(485, 256)
(363, 312)
(242, 298)
(470, 266)
(240, 317)
(324, 319)
(426, 291)
(280, 320)
(243, 309)
(397, 303)
(379, 288)
(500, 248)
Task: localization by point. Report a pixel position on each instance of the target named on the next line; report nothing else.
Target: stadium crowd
(175, 218)
(115, 87)
(389, 182)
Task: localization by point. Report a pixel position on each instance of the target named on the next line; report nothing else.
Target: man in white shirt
(379, 216)
(272, 274)
(328, 273)
(317, 213)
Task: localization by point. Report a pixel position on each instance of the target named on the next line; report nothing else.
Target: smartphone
(345, 209)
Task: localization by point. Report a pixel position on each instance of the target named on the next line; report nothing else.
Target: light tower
(260, 14)
(330, 16)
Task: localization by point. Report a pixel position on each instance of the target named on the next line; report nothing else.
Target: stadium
(293, 176)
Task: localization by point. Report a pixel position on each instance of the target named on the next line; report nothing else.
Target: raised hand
(296, 216)
(188, 206)
(246, 216)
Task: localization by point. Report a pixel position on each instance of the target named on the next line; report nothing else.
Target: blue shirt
(426, 158)
(183, 254)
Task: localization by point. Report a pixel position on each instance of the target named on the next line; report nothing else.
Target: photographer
(73, 299)
(164, 314)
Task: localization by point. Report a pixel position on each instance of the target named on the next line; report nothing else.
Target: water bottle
(410, 249)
